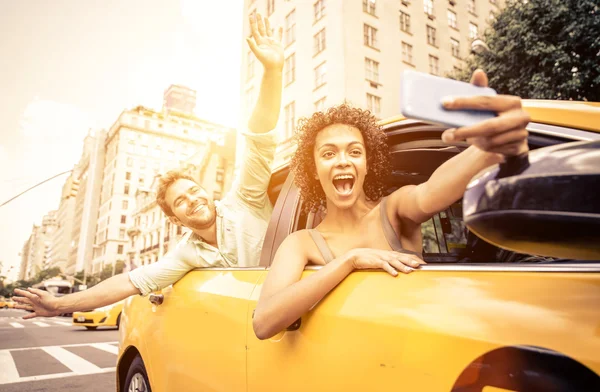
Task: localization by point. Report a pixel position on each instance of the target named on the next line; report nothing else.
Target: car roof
(572, 114)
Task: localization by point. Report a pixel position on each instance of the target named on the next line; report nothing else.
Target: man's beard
(204, 222)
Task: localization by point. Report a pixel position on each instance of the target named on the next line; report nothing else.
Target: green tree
(544, 49)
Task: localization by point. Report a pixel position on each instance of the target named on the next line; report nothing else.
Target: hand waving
(267, 48)
(505, 134)
(42, 303)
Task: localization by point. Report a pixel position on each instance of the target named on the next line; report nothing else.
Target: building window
(141, 181)
(369, 6)
(290, 28)
(250, 62)
(320, 105)
(120, 249)
(319, 42)
(434, 65)
(372, 70)
(270, 7)
(455, 47)
(128, 176)
(178, 230)
(131, 147)
(405, 22)
(290, 69)
(290, 120)
(370, 36)
(216, 195)
(428, 7)
(123, 219)
(407, 53)
(473, 33)
(126, 190)
(431, 36)
(319, 8)
(374, 104)
(125, 204)
(121, 233)
(320, 72)
(452, 19)
(129, 162)
(471, 6)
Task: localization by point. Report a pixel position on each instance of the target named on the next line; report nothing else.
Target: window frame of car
(287, 208)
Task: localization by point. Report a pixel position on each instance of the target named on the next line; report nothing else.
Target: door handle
(156, 299)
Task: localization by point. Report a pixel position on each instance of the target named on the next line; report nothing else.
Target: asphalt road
(49, 354)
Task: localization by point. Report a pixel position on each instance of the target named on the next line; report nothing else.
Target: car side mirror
(545, 203)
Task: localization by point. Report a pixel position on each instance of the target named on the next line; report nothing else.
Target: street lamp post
(479, 46)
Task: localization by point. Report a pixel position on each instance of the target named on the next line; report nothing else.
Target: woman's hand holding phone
(505, 134)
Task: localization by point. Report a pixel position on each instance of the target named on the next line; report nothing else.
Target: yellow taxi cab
(6, 303)
(476, 317)
(106, 316)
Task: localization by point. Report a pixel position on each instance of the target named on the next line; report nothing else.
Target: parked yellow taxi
(6, 303)
(106, 316)
(475, 317)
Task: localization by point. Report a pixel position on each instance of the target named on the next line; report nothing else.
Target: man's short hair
(164, 182)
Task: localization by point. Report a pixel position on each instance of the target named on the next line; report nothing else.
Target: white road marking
(40, 324)
(51, 376)
(62, 323)
(106, 347)
(72, 361)
(17, 325)
(64, 345)
(9, 373)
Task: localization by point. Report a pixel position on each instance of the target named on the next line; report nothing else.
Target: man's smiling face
(190, 204)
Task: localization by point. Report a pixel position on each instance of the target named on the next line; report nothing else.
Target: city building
(88, 176)
(36, 251)
(61, 240)
(139, 145)
(354, 51)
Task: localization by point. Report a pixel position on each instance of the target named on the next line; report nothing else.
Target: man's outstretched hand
(266, 47)
(42, 303)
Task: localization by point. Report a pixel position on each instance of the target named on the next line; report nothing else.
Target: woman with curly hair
(340, 164)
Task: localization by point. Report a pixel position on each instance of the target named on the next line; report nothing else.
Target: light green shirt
(242, 219)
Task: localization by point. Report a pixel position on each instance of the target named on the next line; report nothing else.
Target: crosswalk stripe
(63, 345)
(9, 371)
(40, 324)
(106, 347)
(17, 325)
(62, 323)
(55, 375)
(72, 361)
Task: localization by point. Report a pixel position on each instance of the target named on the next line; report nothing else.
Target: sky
(70, 65)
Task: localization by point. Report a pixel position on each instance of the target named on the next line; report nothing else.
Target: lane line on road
(40, 324)
(72, 361)
(106, 347)
(17, 325)
(62, 345)
(62, 323)
(51, 376)
(9, 372)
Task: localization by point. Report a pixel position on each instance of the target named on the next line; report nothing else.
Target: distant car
(475, 318)
(106, 316)
(7, 303)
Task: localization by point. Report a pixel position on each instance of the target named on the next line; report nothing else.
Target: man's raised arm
(261, 141)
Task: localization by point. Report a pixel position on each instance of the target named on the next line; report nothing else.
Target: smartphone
(421, 97)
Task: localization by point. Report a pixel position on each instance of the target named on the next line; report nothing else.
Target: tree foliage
(542, 49)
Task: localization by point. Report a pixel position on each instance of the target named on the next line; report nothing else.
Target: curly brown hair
(303, 162)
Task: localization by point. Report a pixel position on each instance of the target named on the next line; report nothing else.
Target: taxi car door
(199, 343)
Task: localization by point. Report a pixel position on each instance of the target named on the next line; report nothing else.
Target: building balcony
(134, 230)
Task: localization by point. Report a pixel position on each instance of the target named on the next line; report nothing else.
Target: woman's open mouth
(343, 183)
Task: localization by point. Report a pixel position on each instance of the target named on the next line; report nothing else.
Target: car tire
(118, 320)
(91, 328)
(137, 377)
